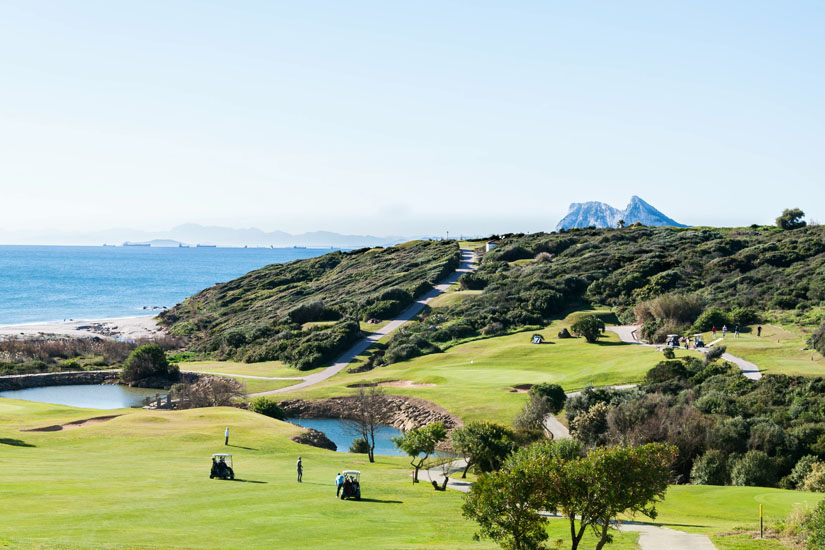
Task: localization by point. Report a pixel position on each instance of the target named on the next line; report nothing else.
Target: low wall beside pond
(23, 381)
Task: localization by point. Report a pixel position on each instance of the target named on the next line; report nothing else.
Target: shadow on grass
(378, 501)
(241, 447)
(15, 442)
(249, 481)
(600, 343)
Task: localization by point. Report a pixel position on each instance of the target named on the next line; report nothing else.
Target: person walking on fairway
(736, 332)
(724, 330)
(300, 468)
(713, 330)
(339, 482)
(758, 331)
(226, 436)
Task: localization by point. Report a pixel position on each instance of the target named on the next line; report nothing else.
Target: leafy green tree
(360, 446)
(419, 444)
(608, 482)
(267, 407)
(507, 504)
(791, 218)
(146, 363)
(591, 491)
(590, 327)
(483, 443)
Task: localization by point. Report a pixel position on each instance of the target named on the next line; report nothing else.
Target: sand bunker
(392, 384)
(521, 388)
(74, 425)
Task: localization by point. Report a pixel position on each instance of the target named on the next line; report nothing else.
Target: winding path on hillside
(629, 334)
(466, 265)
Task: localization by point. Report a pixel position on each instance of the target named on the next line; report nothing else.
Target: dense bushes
(267, 407)
(147, 366)
(728, 429)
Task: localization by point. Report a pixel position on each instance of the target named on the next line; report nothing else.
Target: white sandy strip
(122, 327)
(465, 266)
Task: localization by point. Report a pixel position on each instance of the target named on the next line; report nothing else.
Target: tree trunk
(603, 540)
(467, 467)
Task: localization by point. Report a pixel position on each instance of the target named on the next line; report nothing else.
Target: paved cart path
(630, 335)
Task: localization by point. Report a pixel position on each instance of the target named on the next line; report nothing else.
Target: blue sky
(406, 118)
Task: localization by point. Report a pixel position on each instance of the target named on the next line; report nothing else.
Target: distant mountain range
(599, 214)
(194, 234)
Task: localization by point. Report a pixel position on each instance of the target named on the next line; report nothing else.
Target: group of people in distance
(346, 486)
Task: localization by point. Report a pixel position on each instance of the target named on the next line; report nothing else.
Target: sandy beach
(123, 327)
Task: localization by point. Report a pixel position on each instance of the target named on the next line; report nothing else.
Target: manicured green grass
(256, 386)
(268, 368)
(745, 542)
(780, 350)
(140, 481)
(712, 509)
(450, 298)
(474, 380)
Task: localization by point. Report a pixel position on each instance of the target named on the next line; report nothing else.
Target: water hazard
(338, 431)
(87, 396)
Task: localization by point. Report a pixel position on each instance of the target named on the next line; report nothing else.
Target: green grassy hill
(277, 312)
(708, 275)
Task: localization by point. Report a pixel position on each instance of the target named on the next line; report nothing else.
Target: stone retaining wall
(23, 381)
(399, 412)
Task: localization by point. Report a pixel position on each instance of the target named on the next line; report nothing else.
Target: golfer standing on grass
(300, 468)
(226, 436)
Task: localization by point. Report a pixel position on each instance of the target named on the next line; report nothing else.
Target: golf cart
(222, 467)
(352, 485)
(672, 341)
(698, 341)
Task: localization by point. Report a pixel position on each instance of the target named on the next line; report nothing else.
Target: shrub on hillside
(590, 327)
(267, 407)
(209, 391)
(711, 317)
(552, 393)
(148, 363)
(791, 218)
(815, 479)
(754, 469)
(710, 469)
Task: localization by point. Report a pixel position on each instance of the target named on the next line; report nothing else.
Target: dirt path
(466, 265)
(629, 335)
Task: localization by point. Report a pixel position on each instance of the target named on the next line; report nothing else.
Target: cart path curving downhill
(466, 265)
(629, 335)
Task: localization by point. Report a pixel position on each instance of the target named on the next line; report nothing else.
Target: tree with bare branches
(364, 420)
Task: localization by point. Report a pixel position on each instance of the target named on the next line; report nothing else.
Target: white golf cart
(352, 485)
(672, 341)
(222, 467)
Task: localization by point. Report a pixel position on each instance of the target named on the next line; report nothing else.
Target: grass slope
(140, 482)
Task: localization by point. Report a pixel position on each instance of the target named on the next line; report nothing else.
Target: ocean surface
(56, 283)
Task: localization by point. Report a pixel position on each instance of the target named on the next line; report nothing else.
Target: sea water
(56, 283)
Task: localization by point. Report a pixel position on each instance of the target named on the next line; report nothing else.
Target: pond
(88, 396)
(337, 431)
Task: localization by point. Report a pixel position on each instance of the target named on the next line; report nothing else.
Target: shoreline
(130, 328)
